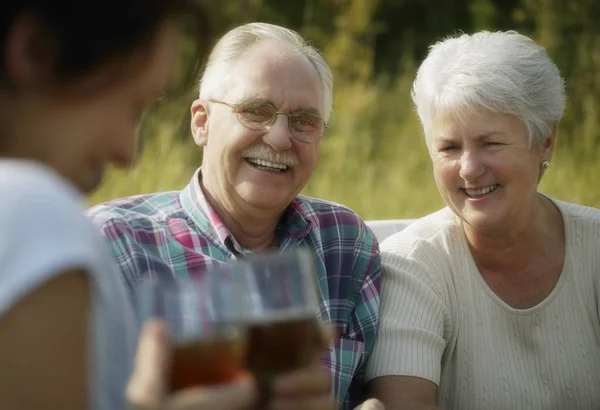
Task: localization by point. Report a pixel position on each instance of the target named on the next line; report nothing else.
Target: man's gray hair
(504, 72)
(233, 45)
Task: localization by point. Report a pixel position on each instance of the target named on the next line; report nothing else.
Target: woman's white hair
(504, 72)
(233, 45)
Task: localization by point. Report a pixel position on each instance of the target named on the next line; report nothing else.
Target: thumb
(236, 395)
(371, 404)
(147, 384)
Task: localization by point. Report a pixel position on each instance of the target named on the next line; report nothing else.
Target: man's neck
(254, 229)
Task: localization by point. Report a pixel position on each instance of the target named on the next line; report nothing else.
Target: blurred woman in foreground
(74, 79)
(492, 302)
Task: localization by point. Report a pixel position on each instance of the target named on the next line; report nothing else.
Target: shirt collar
(293, 226)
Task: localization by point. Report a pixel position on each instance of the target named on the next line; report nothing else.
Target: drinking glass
(207, 347)
(281, 313)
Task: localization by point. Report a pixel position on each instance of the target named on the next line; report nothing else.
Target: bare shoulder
(43, 345)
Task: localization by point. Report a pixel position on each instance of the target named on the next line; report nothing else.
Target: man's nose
(278, 136)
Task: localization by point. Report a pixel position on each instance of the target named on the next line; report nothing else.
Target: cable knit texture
(439, 320)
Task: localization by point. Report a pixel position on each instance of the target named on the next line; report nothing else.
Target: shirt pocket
(343, 360)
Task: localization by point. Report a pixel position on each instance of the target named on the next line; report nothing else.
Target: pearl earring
(545, 165)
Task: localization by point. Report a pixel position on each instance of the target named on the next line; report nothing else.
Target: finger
(313, 380)
(319, 343)
(147, 383)
(235, 396)
(371, 404)
(328, 332)
(304, 403)
(325, 336)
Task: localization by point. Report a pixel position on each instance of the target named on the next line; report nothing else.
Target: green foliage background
(373, 158)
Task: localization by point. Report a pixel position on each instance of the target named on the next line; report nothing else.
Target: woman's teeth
(482, 191)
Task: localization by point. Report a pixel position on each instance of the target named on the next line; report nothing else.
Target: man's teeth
(482, 191)
(267, 164)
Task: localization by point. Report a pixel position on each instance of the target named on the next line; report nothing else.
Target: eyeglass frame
(235, 108)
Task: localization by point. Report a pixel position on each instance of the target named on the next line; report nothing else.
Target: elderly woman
(491, 302)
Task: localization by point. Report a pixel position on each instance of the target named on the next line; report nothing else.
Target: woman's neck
(513, 246)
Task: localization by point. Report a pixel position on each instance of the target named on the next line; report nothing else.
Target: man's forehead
(272, 50)
(260, 61)
(278, 76)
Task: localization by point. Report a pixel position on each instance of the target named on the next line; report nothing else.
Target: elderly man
(265, 98)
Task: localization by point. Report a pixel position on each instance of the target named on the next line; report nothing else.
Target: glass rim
(309, 283)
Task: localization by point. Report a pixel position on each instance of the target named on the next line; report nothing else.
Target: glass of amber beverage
(207, 348)
(284, 332)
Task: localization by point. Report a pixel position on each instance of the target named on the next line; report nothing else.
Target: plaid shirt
(178, 233)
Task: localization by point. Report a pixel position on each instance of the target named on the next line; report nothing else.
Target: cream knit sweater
(439, 320)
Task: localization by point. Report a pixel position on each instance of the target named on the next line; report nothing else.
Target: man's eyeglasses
(260, 115)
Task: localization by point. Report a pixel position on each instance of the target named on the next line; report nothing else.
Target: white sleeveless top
(43, 232)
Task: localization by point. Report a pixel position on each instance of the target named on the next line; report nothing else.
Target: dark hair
(86, 34)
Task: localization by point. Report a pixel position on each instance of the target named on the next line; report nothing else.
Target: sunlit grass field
(373, 158)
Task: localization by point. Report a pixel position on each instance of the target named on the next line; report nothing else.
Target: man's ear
(199, 123)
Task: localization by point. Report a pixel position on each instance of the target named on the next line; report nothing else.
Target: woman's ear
(199, 123)
(548, 147)
(30, 52)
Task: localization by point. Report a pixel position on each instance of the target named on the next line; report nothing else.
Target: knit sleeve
(413, 316)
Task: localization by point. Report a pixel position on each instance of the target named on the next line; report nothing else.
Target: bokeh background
(373, 158)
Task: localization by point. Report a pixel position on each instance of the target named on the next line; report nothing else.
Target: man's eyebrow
(255, 100)
(258, 100)
(309, 110)
(445, 140)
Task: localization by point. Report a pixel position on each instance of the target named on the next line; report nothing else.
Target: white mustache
(265, 153)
